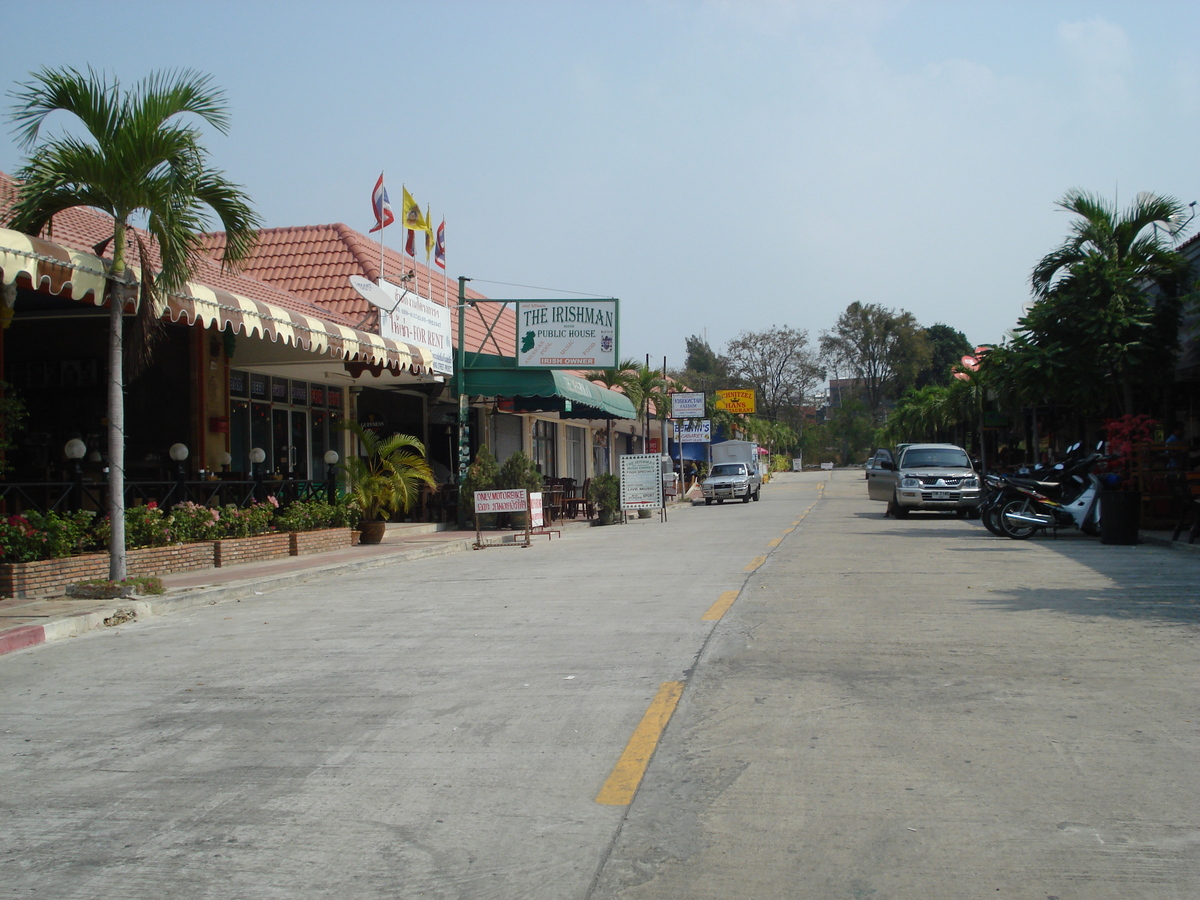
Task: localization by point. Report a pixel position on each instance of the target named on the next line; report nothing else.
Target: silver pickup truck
(731, 481)
(925, 477)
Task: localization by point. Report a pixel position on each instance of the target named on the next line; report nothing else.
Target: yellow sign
(736, 401)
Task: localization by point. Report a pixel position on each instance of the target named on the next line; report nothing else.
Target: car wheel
(719, 502)
(708, 501)
(898, 511)
(746, 497)
(756, 493)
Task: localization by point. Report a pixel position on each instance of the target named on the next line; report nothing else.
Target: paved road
(888, 710)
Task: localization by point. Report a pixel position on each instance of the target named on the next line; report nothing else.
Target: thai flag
(439, 249)
(381, 205)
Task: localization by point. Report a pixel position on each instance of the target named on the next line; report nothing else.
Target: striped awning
(71, 274)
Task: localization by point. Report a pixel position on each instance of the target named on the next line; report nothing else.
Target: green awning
(543, 390)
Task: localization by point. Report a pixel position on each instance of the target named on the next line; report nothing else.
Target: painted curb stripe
(623, 783)
(721, 607)
(20, 638)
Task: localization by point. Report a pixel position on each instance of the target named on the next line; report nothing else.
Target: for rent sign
(567, 334)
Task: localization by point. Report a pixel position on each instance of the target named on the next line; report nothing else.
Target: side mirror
(887, 464)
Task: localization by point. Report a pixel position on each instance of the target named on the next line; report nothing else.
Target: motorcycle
(1071, 500)
(1000, 489)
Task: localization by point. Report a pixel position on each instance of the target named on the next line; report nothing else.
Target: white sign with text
(417, 320)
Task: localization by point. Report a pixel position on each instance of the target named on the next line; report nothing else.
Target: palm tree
(138, 162)
(1093, 312)
(620, 378)
(388, 477)
(648, 388)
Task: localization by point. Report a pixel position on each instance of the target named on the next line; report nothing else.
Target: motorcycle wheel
(1018, 531)
(990, 517)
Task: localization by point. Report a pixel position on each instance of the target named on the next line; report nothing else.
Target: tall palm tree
(1093, 312)
(648, 388)
(135, 161)
(619, 378)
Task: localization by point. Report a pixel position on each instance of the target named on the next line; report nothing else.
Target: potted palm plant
(386, 479)
(519, 472)
(604, 493)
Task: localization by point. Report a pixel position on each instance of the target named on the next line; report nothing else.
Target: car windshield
(936, 458)
(729, 469)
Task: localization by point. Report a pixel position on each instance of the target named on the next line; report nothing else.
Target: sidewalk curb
(180, 599)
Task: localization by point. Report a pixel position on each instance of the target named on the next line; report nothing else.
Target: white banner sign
(687, 405)
(571, 334)
(500, 501)
(416, 320)
(693, 431)
(641, 481)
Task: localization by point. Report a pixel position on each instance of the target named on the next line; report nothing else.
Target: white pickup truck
(731, 481)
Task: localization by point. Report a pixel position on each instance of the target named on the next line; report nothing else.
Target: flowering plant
(1124, 435)
(192, 522)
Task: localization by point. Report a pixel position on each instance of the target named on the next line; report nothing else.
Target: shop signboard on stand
(642, 482)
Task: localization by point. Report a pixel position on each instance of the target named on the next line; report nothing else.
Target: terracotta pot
(372, 532)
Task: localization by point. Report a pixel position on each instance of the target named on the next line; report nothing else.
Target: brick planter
(234, 551)
(319, 541)
(51, 576)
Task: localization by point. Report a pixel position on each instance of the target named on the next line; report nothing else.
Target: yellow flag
(428, 235)
(412, 218)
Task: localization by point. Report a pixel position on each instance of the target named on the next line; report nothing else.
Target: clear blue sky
(718, 166)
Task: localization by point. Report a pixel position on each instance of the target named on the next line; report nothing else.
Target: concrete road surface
(867, 708)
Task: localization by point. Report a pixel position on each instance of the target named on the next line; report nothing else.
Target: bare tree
(777, 364)
(883, 350)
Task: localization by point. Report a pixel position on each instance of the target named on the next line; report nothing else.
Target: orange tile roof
(316, 261)
(81, 228)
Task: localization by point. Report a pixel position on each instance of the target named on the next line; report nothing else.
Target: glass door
(290, 442)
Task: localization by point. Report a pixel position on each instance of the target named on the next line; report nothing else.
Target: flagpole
(382, 229)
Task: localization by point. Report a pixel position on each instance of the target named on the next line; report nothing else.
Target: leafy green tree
(704, 370)
(137, 160)
(882, 349)
(1107, 302)
(947, 347)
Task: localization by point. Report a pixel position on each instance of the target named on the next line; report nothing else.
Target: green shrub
(310, 515)
(191, 522)
(45, 535)
(103, 589)
(246, 521)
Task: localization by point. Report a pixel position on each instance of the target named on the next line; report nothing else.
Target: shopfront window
(544, 434)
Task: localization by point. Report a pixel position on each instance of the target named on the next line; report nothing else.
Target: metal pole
(460, 383)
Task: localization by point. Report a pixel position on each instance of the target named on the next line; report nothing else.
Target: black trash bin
(1120, 516)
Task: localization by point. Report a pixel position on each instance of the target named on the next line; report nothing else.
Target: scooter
(1001, 489)
(1070, 502)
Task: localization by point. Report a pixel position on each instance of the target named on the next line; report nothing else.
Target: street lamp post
(75, 451)
(179, 453)
(257, 455)
(331, 460)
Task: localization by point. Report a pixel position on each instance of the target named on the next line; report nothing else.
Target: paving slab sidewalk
(27, 622)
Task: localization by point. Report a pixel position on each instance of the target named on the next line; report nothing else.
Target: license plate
(941, 495)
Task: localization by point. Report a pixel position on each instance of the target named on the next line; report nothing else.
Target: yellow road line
(755, 563)
(721, 607)
(775, 542)
(623, 782)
